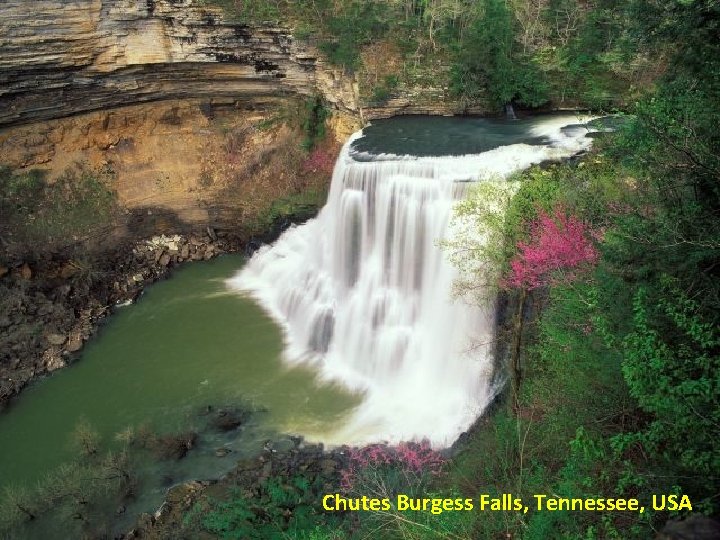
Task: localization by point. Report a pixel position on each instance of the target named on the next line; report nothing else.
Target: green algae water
(188, 343)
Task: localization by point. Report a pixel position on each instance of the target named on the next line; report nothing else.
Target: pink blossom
(558, 244)
(407, 456)
(320, 160)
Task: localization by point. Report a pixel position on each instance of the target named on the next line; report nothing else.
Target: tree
(478, 246)
(489, 61)
(558, 249)
(672, 367)
(85, 440)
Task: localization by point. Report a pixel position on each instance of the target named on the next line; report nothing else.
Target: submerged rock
(205, 410)
(173, 446)
(227, 420)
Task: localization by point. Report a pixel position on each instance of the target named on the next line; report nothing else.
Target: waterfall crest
(364, 291)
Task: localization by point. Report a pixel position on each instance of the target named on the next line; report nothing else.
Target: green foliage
(538, 190)
(672, 367)
(684, 29)
(357, 23)
(73, 499)
(248, 11)
(283, 509)
(479, 249)
(42, 216)
(292, 208)
(315, 113)
(559, 441)
(591, 57)
(387, 477)
(490, 52)
(383, 91)
(624, 365)
(488, 61)
(422, 525)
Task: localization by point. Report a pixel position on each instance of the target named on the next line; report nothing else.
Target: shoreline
(56, 308)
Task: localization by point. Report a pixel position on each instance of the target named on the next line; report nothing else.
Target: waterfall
(510, 112)
(364, 292)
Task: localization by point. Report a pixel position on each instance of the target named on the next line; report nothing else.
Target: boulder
(74, 344)
(25, 272)
(55, 339)
(52, 360)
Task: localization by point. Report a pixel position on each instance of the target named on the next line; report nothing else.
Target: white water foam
(364, 292)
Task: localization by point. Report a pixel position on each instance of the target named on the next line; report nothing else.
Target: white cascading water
(364, 291)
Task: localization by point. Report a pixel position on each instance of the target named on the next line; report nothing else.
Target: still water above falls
(363, 291)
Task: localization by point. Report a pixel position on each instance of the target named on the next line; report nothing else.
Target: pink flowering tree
(386, 470)
(559, 250)
(560, 247)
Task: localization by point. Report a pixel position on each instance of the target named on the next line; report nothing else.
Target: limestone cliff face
(165, 93)
(183, 164)
(63, 57)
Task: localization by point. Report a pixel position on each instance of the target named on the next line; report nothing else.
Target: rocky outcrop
(63, 57)
(322, 469)
(178, 163)
(411, 103)
(49, 315)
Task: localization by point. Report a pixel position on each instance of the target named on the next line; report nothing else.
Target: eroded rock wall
(205, 163)
(167, 94)
(64, 57)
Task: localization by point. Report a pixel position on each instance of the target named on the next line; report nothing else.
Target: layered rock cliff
(63, 57)
(167, 94)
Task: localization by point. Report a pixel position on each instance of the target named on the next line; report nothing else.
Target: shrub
(40, 216)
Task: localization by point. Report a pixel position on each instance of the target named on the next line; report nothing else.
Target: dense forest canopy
(600, 53)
